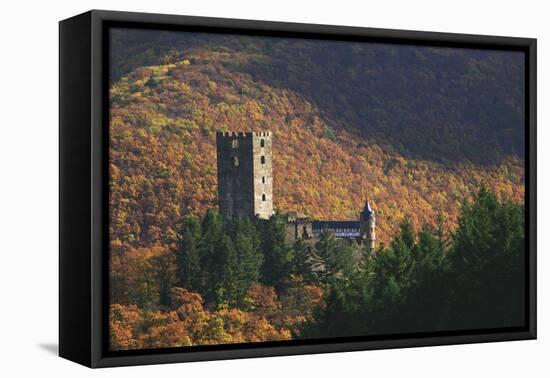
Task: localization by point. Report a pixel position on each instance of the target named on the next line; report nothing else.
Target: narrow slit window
(236, 161)
(263, 159)
(263, 197)
(235, 143)
(262, 143)
(263, 180)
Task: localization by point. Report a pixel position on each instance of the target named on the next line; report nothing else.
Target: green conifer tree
(189, 274)
(277, 263)
(329, 258)
(301, 262)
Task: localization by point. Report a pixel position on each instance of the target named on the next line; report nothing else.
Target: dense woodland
(232, 282)
(348, 122)
(443, 104)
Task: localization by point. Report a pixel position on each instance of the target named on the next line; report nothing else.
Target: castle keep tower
(367, 222)
(245, 178)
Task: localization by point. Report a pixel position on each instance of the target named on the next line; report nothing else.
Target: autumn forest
(434, 137)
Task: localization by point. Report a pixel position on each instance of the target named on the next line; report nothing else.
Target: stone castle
(245, 190)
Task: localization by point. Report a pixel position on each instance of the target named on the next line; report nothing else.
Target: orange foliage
(163, 159)
(188, 323)
(163, 167)
(261, 299)
(124, 326)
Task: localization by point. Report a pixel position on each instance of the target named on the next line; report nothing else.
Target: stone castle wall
(263, 174)
(245, 174)
(245, 187)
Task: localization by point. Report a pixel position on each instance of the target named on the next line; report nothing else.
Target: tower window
(236, 161)
(235, 143)
(263, 180)
(262, 143)
(263, 197)
(262, 159)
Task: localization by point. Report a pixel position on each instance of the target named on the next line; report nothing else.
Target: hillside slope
(440, 104)
(163, 161)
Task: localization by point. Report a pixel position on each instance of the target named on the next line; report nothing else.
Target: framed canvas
(234, 188)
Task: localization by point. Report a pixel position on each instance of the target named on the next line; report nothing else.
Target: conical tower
(367, 221)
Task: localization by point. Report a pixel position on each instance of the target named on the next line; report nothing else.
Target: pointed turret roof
(367, 211)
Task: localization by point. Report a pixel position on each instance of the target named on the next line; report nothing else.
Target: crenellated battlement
(233, 134)
(243, 134)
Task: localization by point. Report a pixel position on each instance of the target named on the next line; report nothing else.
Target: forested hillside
(417, 130)
(434, 103)
(232, 281)
(326, 160)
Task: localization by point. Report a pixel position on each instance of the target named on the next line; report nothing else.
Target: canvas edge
(97, 323)
(75, 334)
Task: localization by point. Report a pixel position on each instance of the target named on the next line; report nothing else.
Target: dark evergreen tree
(166, 269)
(347, 304)
(248, 255)
(277, 264)
(429, 288)
(329, 258)
(395, 265)
(211, 260)
(302, 262)
(224, 273)
(189, 273)
(487, 264)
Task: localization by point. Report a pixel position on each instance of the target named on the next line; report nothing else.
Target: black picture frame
(83, 180)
